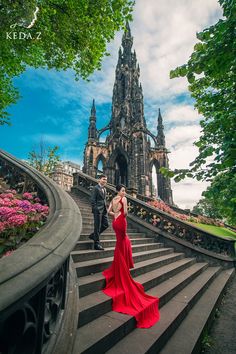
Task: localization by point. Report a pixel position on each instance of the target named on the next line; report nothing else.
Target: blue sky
(56, 108)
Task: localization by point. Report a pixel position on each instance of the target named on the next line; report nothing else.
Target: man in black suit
(99, 209)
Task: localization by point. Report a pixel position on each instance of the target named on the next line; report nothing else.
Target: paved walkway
(223, 332)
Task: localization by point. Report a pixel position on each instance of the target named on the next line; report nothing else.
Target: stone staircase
(181, 283)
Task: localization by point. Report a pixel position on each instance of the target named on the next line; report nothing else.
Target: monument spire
(160, 130)
(92, 130)
(127, 100)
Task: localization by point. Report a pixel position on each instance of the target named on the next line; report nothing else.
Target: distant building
(63, 174)
(71, 167)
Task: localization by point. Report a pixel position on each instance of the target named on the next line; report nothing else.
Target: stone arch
(101, 131)
(100, 159)
(154, 174)
(118, 164)
(145, 131)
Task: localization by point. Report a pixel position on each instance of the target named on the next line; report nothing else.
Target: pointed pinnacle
(159, 116)
(128, 28)
(93, 109)
(127, 38)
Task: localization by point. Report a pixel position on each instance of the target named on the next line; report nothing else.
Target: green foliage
(207, 342)
(45, 160)
(211, 73)
(222, 194)
(219, 200)
(217, 230)
(207, 208)
(66, 34)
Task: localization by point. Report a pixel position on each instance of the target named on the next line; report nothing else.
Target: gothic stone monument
(127, 155)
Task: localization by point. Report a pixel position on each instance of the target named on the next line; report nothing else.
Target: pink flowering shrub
(20, 219)
(159, 204)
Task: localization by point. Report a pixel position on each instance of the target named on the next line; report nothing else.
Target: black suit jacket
(98, 199)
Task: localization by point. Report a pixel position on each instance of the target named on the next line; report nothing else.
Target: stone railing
(38, 287)
(162, 221)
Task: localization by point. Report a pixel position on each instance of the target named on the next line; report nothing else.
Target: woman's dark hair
(119, 186)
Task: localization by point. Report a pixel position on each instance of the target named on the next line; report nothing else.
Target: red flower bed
(159, 204)
(20, 218)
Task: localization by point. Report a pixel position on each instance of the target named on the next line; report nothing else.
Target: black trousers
(100, 223)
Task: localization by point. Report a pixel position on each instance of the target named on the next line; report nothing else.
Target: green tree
(221, 194)
(207, 207)
(211, 73)
(59, 34)
(45, 159)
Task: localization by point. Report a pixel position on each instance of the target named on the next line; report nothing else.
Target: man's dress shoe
(98, 246)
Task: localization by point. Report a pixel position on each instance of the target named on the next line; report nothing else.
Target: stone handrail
(181, 230)
(37, 284)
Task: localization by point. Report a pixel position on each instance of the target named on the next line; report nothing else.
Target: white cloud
(182, 114)
(180, 140)
(181, 137)
(188, 192)
(164, 36)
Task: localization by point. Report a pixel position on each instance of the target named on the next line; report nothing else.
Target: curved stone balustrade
(180, 230)
(38, 288)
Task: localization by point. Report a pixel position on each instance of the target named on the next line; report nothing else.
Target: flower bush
(159, 204)
(20, 218)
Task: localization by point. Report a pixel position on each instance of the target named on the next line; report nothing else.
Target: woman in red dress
(128, 295)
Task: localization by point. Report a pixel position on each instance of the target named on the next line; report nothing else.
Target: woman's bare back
(115, 206)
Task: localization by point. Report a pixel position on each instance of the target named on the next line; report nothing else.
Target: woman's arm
(110, 212)
(125, 205)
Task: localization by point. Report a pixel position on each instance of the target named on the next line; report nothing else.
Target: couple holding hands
(128, 295)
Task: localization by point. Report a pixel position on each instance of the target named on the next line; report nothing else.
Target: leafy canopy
(211, 73)
(66, 34)
(219, 200)
(207, 208)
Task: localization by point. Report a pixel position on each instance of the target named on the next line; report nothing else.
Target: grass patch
(216, 230)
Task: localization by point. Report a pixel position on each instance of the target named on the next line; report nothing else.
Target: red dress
(128, 295)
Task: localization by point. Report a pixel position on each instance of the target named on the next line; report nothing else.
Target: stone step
(84, 207)
(82, 203)
(88, 229)
(111, 236)
(198, 318)
(88, 217)
(95, 266)
(170, 263)
(89, 223)
(153, 339)
(104, 332)
(86, 255)
(88, 244)
(180, 283)
(97, 304)
(107, 235)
